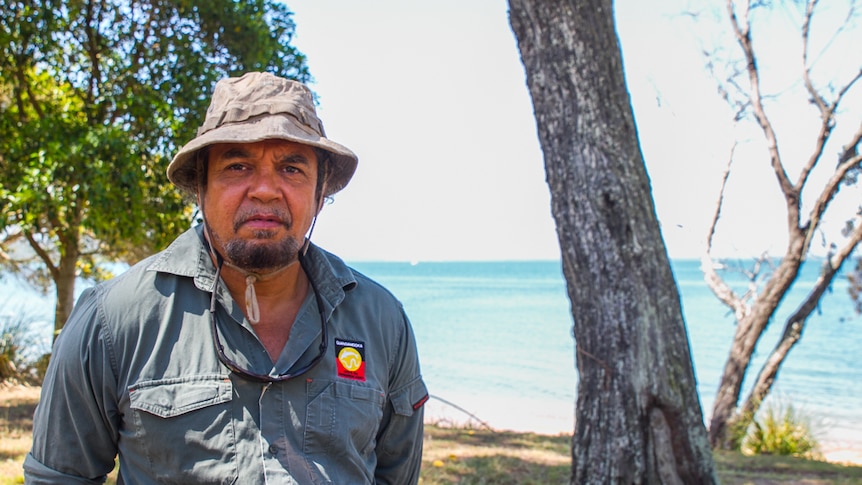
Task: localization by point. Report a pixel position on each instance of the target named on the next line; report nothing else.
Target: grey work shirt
(135, 373)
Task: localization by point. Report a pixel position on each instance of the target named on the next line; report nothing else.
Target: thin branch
(40, 251)
(7, 239)
(720, 203)
(831, 267)
(848, 160)
(718, 286)
(827, 111)
(459, 408)
(26, 87)
(806, 70)
(743, 36)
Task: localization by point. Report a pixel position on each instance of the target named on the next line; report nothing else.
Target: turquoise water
(495, 340)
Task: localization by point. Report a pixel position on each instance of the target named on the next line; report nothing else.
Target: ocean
(496, 346)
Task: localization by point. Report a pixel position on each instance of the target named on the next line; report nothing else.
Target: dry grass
(16, 427)
(470, 456)
(473, 457)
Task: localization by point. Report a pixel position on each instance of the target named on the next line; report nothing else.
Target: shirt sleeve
(399, 442)
(75, 427)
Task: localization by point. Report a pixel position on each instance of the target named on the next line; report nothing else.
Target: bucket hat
(260, 106)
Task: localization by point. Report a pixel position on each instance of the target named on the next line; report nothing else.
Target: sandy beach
(836, 446)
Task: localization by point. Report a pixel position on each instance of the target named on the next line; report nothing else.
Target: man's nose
(264, 186)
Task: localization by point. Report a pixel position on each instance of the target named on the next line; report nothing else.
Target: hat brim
(182, 170)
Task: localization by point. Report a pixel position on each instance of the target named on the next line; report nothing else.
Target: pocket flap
(410, 397)
(167, 398)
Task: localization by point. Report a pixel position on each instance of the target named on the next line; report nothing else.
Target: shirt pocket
(342, 416)
(185, 429)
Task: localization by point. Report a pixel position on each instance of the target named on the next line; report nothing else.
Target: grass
(472, 456)
(16, 426)
(737, 469)
(476, 457)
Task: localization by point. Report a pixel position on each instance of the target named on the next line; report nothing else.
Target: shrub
(19, 347)
(11, 341)
(780, 430)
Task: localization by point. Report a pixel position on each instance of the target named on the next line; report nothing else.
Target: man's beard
(259, 254)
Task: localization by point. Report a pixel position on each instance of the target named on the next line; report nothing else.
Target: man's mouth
(261, 220)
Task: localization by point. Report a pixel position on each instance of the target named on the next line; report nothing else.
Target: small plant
(11, 336)
(18, 342)
(780, 430)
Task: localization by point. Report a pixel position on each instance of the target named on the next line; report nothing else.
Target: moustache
(280, 216)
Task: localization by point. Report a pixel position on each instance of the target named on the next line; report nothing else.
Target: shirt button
(273, 449)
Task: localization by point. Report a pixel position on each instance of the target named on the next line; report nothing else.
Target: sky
(432, 97)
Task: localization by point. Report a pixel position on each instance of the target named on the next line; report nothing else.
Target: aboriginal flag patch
(350, 359)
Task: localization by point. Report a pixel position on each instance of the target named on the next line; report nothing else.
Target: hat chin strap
(308, 238)
(252, 307)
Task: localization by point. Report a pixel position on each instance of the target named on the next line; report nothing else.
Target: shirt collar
(187, 256)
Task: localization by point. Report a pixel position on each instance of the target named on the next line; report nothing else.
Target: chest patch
(350, 359)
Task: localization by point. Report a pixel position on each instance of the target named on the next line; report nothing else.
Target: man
(242, 353)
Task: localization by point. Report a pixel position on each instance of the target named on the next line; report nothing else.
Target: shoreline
(475, 412)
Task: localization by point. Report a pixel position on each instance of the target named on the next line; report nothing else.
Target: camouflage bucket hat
(260, 106)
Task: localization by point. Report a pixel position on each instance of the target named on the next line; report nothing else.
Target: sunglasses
(265, 378)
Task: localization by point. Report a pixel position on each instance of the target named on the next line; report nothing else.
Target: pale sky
(432, 97)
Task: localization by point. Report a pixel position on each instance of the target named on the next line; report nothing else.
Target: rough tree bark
(638, 418)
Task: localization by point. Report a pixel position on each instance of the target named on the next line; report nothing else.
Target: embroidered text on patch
(350, 359)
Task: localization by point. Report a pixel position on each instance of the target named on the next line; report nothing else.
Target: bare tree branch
(743, 37)
(795, 324)
(848, 160)
(40, 251)
(718, 286)
(827, 113)
(763, 304)
(806, 69)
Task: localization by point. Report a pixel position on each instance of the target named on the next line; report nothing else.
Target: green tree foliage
(95, 97)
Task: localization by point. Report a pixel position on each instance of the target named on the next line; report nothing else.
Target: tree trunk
(754, 311)
(749, 329)
(62, 273)
(793, 329)
(638, 417)
(65, 284)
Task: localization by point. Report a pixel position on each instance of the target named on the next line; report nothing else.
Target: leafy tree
(638, 417)
(830, 89)
(95, 97)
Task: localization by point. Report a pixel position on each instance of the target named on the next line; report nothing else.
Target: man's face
(260, 201)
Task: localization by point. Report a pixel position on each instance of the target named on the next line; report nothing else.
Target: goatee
(261, 254)
(258, 256)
